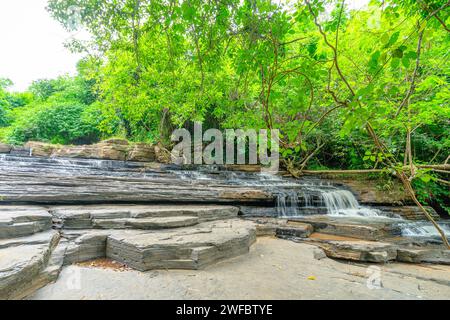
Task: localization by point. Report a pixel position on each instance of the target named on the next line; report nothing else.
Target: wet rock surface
(162, 217)
(369, 192)
(355, 239)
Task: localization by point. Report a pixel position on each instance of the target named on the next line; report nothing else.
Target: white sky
(31, 42)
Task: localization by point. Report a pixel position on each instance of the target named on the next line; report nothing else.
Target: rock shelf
(142, 237)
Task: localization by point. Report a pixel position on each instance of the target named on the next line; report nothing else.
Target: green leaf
(397, 53)
(405, 61)
(393, 38)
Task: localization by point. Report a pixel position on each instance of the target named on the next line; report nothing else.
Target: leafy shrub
(61, 123)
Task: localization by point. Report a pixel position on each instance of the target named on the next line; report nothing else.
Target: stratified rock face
(281, 228)
(141, 152)
(108, 150)
(139, 216)
(411, 212)
(4, 148)
(23, 263)
(187, 248)
(353, 227)
(41, 149)
(365, 251)
(112, 149)
(56, 181)
(19, 221)
(423, 255)
(87, 245)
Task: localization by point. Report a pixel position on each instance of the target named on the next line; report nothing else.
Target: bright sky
(31, 43)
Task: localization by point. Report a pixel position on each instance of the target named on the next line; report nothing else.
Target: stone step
(22, 263)
(138, 216)
(21, 221)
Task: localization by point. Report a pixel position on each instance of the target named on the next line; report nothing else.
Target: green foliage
(432, 193)
(61, 123)
(62, 111)
(154, 65)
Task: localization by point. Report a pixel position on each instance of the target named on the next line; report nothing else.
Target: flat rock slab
(19, 221)
(139, 216)
(355, 227)
(281, 228)
(365, 251)
(423, 255)
(21, 262)
(186, 248)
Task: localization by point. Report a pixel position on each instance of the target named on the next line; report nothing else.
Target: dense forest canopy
(348, 89)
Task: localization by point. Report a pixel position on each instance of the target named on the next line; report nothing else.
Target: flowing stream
(293, 197)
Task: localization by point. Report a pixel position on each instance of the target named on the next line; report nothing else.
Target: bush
(61, 123)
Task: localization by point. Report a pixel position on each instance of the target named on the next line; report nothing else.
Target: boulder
(113, 149)
(353, 227)
(295, 229)
(423, 255)
(363, 251)
(4, 148)
(40, 149)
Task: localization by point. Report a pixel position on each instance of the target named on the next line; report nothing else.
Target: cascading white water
(287, 204)
(339, 200)
(344, 203)
(190, 175)
(423, 229)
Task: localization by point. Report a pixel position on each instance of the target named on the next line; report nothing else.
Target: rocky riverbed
(143, 217)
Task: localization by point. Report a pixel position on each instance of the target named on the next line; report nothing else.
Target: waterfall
(344, 203)
(287, 204)
(335, 202)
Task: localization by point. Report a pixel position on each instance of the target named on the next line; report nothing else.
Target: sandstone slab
(139, 216)
(359, 228)
(40, 149)
(21, 264)
(19, 221)
(141, 152)
(4, 148)
(364, 251)
(423, 255)
(186, 248)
